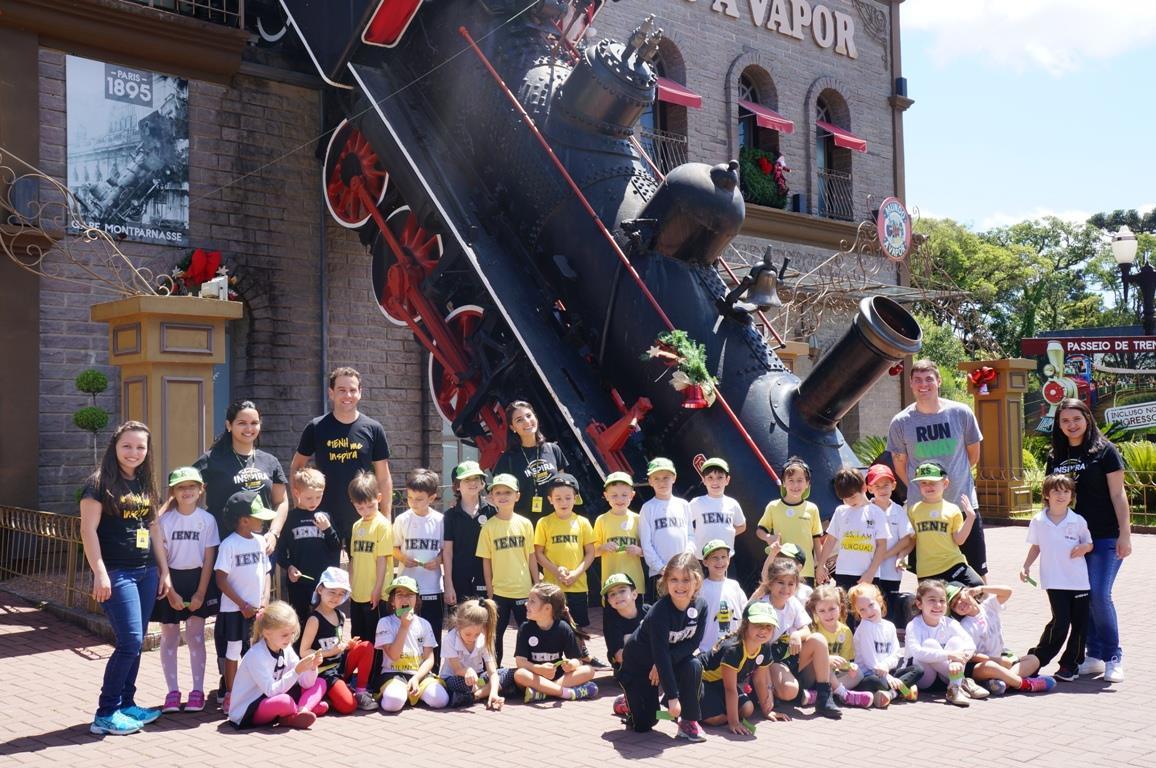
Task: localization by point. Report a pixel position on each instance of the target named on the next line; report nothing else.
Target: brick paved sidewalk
(51, 677)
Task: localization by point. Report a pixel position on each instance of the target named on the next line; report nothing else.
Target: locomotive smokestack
(882, 334)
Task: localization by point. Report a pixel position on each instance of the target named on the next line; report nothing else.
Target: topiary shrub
(91, 418)
(91, 382)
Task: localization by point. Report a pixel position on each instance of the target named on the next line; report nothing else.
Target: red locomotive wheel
(426, 248)
(1053, 392)
(349, 156)
(449, 394)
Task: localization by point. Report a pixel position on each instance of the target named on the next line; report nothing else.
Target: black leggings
(507, 606)
(642, 697)
(908, 674)
(1070, 610)
(960, 574)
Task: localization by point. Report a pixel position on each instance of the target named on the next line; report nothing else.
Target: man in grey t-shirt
(944, 431)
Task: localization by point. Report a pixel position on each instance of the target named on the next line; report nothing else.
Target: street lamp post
(1124, 251)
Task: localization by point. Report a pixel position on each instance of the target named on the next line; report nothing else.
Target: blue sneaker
(116, 724)
(142, 715)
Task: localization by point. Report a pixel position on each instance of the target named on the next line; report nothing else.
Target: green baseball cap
(504, 479)
(468, 469)
(660, 464)
(247, 504)
(792, 551)
(617, 580)
(929, 471)
(713, 545)
(953, 590)
(185, 475)
(618, 477)
(761, 613)
(402, 582)
(714, 463)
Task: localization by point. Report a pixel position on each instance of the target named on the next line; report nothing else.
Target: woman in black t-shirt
(123, 546)
(531, 459)
(235, 463)
(1080, 451)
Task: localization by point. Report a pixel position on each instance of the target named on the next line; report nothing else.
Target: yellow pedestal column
(1000, 481)
(166, 347)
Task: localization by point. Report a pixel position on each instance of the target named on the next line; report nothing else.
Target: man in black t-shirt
(342, 443)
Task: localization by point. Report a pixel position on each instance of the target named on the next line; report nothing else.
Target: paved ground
(50, 674)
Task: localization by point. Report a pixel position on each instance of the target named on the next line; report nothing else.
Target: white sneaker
(1092, 666)
(1114, 671)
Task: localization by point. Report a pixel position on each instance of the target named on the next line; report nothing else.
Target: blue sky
(1026, 108)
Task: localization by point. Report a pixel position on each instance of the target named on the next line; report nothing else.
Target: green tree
(1111, 222)
(1012, 282)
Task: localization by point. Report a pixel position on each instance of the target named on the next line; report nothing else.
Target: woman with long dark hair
(123, 546)
(1082, 452)
(234, 463)
(530, 458)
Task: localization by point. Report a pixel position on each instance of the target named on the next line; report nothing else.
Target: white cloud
(1057, 36)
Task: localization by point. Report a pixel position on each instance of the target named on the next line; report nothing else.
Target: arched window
(662, 128)
(755, 87)
(834, 191)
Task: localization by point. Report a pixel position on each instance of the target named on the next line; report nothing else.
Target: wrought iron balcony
(834, 198)
(667, 150)
(228, 13)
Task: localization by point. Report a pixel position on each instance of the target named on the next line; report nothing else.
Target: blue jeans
(134, 590)
(1103, 629)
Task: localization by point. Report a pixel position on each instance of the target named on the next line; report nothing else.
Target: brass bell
(763, 292)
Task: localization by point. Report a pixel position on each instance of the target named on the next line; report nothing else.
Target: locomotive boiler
(487, 161)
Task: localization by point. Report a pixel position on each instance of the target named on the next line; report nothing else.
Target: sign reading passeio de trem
(1138, 416)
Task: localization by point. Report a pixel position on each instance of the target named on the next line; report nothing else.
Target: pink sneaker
(172, 702)
(196, 702)
(621, 708)
(321, 708)
(690, 730)
(301, 720)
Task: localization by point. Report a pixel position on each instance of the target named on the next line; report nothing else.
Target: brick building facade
(255, 113)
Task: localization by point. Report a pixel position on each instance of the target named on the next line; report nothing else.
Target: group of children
(811, 634)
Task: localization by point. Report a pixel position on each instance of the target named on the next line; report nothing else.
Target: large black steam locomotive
(488, 162)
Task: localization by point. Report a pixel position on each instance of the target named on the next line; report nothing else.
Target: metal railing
(835, 201)
(42, 558)
(229, 13)
(666, 150)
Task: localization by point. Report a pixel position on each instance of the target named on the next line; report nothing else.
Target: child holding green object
(407, 643)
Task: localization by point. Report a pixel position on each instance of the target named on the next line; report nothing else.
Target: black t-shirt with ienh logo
(226, 472)
(340, 451)
(123, 536)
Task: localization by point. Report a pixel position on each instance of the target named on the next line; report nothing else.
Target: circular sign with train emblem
(893, 224)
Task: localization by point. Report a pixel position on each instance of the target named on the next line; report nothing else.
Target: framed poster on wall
(128, 150)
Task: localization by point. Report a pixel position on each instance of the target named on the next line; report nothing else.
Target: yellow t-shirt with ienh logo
(935, 526)
(370, 539)
(564, 543)
(622, 530)
(508, 545)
